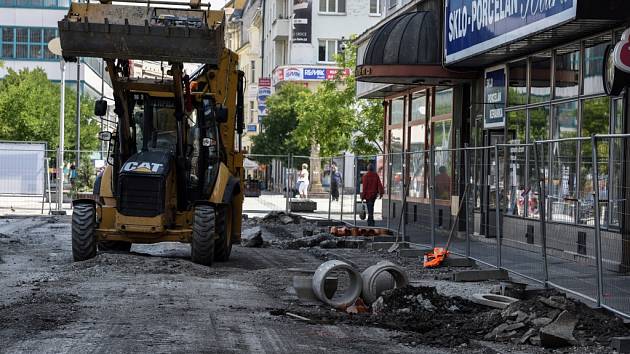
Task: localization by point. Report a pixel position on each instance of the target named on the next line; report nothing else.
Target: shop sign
(332, 73)
(302, 25)
(314, 74)
(293, 74)
(264, 91)
(251, 128)
(616, 74)
(264, 81)
(477, 26)
(494, 94)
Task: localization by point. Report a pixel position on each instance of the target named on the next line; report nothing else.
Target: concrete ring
(373, 283)
(350, 295)
(493, 300)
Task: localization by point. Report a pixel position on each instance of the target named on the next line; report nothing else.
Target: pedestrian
(442, 184)
(303, 182)
(73, 175)
(335, 182)
(371, 188)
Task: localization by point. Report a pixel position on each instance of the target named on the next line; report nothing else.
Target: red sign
(332, 73)
(264, 82)
(622, 52)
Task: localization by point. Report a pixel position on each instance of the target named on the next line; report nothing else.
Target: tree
(29, 106)
(275, 137)
(335, 119)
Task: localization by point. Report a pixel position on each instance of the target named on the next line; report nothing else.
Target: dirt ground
(155, 300)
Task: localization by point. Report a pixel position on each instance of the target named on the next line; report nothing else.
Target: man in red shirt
(372, 187)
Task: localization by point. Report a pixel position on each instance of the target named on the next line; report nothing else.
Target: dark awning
(407, 50)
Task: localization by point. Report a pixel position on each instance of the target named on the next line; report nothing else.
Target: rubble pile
(289, 231)
(546, 319)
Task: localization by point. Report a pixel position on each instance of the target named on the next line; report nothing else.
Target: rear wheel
(203, 235)
(223, 244)
(114, 246)
(83, 232)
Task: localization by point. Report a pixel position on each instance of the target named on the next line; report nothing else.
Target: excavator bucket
(142, 33)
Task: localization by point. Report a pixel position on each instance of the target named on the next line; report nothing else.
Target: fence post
(467, 201)
(497, 205)
(598, 236)
(288, 185)
(432, 192)
(541, 213)
(389, 189)
(330, 188)
(354, 187)
(403, 209)
(343, 184)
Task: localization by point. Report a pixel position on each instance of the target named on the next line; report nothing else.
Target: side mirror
(105, 136)
(100, 108)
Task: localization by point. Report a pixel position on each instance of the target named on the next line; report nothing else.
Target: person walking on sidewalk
(335, 182)
(372, 188)
(303, 182)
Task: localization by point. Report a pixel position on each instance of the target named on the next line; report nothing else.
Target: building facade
(26, 27)
(302, 38)
(243, 36)
(478, 74)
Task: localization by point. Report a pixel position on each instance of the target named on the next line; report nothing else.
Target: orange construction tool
(436, 257)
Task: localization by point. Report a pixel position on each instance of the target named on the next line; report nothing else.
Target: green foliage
(335, 119)
(275, 137)
(86, 175)
(29, 111)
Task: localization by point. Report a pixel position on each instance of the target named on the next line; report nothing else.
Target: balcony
(280, 28)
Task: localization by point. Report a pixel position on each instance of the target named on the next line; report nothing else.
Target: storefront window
(516, 162)
(593, 58)
(395, 149)
(419, 106)
(595, 117)
(443, 102)
(562, 191)
(567, 74)
(517, 89)
(417, 173)
(615, 198)
(398, 111)
(540, 76)
(443, 170)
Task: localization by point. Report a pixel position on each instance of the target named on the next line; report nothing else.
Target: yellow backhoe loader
(175, 166)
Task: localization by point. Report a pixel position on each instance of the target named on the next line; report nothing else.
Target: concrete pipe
(327, 270)
(375, 279)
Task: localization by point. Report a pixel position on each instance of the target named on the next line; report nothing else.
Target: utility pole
(61, 137)
(102, 98)
(78, 112)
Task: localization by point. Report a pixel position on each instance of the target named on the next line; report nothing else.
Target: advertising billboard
(302, 24)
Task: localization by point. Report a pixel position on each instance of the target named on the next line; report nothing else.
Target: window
(26, 43)
(398, 111)
(332, 6)
(517, 85)
(540, 76)
(444, 102)
(395, 148)
(327, 50)
(375, 7)
(593, 57)
(35, 3)
(443, 172)
(419, 106)
(567, 72)
(392, 3)
(252, 74)
(252, 112)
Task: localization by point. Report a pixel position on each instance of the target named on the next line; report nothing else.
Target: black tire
(114, 246)
(83, 232)
(203, 235)
(223, 244)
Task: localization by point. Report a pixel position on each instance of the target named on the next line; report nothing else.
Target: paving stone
(481, 275)
(559, 333)
(454, 261)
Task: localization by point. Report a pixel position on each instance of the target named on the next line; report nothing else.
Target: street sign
(494, 94)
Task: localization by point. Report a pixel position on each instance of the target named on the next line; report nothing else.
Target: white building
(302, 37)
(26, 27)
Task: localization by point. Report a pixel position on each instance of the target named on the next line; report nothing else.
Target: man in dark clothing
(335, 182)
(372, 187)
(442, 184)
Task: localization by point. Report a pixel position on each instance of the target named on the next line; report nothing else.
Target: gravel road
(155, 300)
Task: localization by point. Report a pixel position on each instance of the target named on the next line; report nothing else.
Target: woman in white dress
(303, 181)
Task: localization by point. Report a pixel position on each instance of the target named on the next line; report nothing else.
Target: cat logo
(143, 167)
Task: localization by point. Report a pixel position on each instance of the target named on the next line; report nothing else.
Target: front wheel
(203, 235)
(83, 232)
(223, 244)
